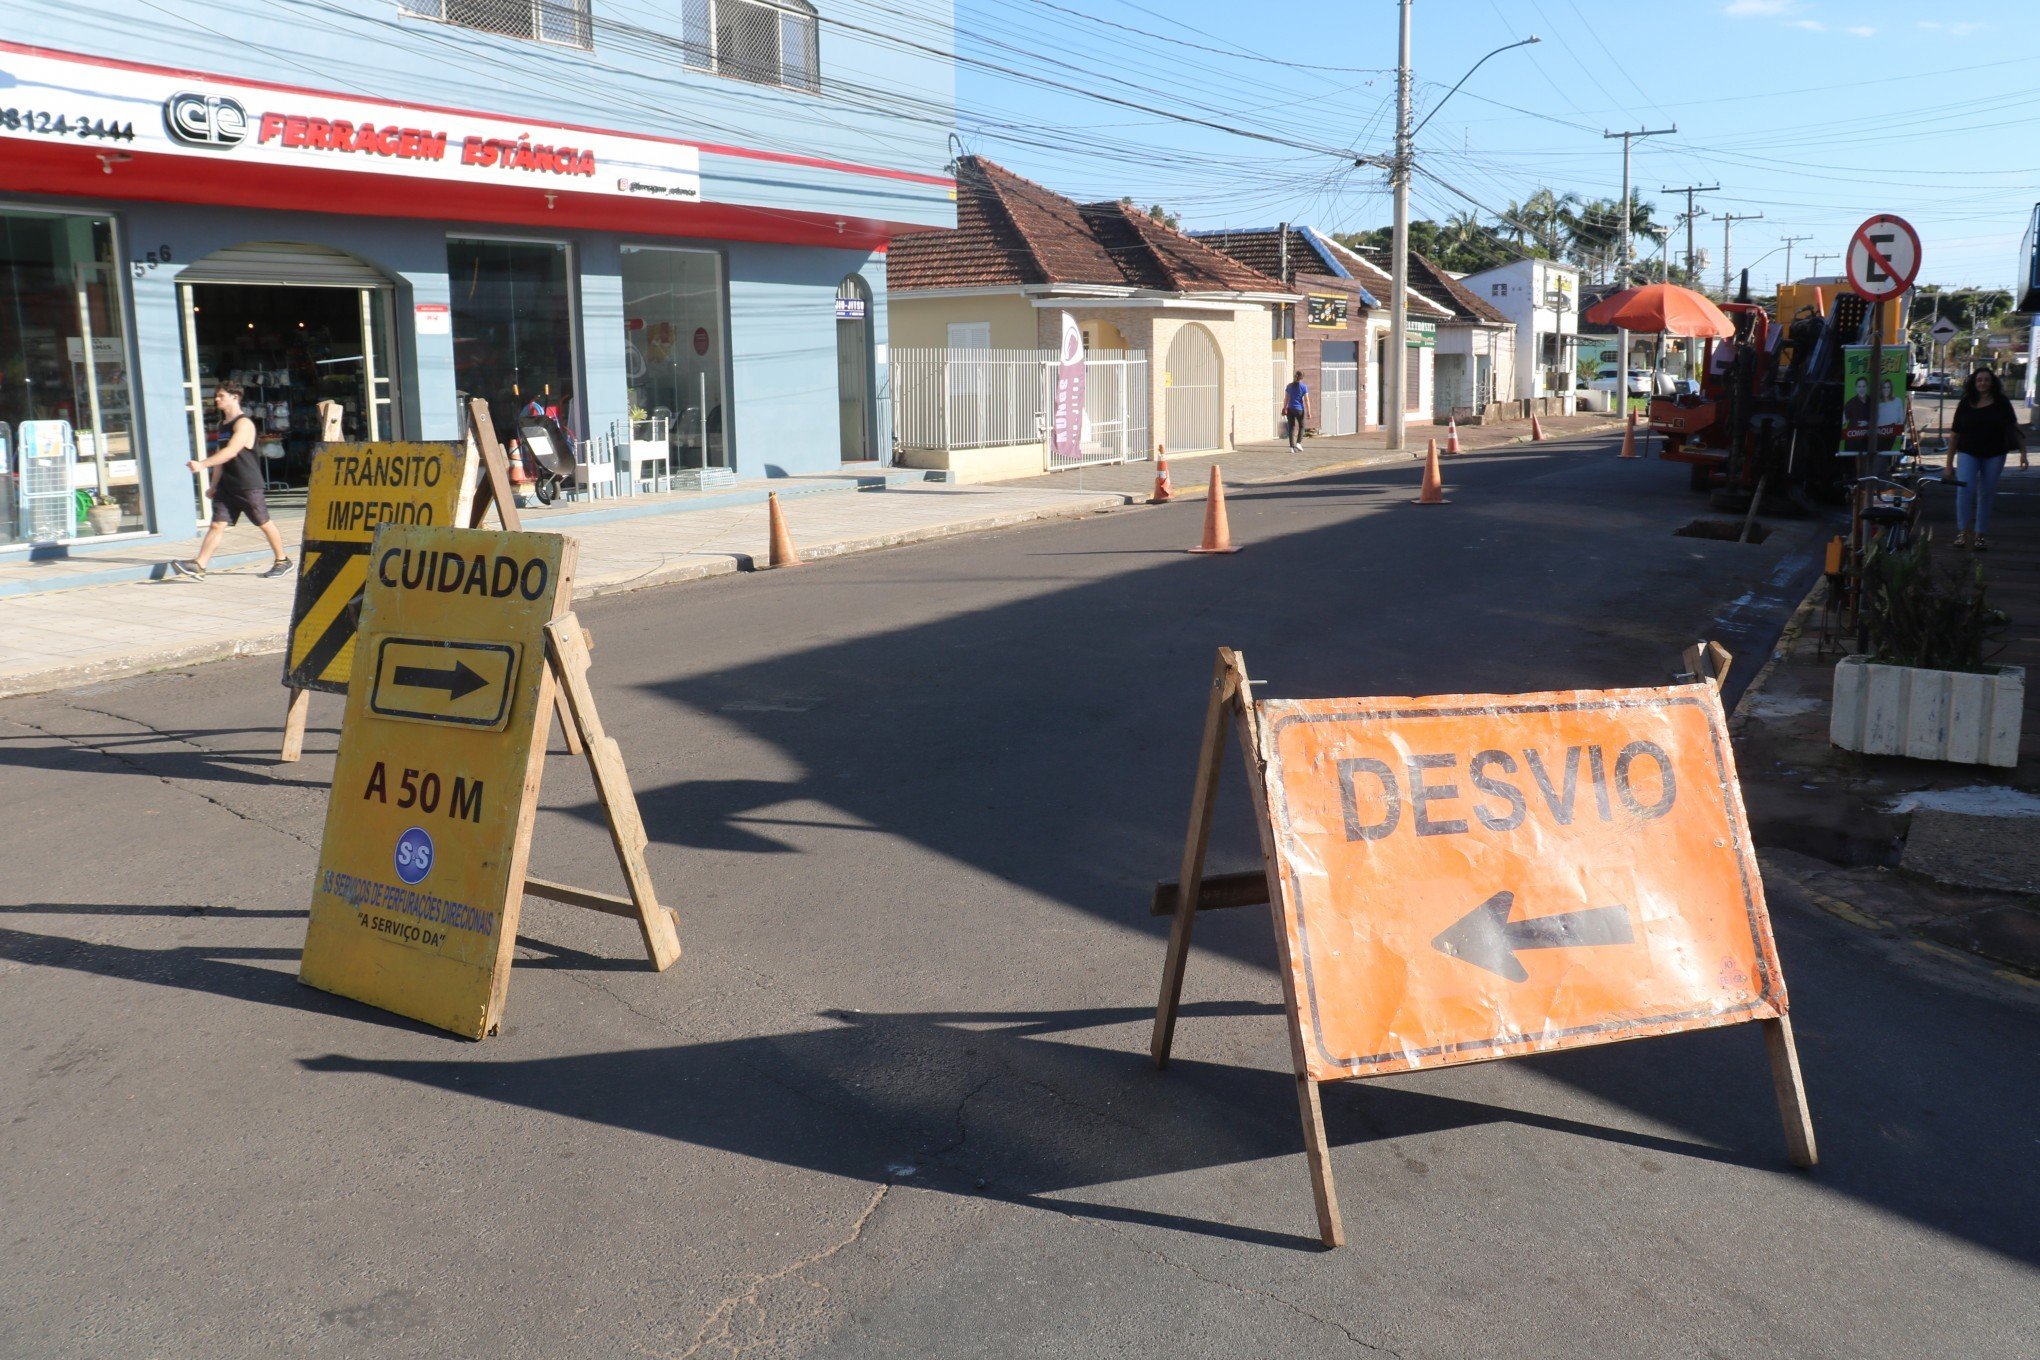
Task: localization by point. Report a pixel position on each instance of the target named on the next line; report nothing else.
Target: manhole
(1726, 530)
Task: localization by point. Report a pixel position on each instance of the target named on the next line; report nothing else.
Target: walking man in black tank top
(236, 488)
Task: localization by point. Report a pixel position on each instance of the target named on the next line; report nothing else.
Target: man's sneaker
(280, 567)
(187, 567)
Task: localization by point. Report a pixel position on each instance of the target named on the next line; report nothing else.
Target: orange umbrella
(1661, 309)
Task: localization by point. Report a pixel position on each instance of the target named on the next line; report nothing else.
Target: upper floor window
(767, 42)
(1498, 290)
(554, 21)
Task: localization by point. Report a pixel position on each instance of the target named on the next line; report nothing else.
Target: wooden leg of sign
(1317, 1150)
(294, 716)
(1316, 1146)
(567, 648)
(1190, 873)
(1791, 1091)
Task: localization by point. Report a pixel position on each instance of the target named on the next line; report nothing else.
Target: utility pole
(1817, 257)
(1688, 216)
(1728, 221)
(1622, 258)
(1788, 253)
(1398, 303)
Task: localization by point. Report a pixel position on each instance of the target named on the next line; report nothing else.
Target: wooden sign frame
(492, 488)
(563, 688)
(1231, 699)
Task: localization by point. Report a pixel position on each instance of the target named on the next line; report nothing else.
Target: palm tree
(1540, 222)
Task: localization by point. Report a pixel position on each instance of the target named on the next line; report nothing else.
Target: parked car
(1936, 382)
(1639, 381)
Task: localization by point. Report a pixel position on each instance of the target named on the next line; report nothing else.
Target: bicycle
(1884, 514)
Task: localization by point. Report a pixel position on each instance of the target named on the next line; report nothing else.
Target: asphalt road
(895, 1100)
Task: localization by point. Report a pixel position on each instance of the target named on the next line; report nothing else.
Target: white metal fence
(948, 399)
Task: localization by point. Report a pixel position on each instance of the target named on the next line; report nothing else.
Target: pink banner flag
(1068, 445)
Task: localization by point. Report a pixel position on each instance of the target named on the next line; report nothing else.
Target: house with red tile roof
(1475, 367)
(1022, 255)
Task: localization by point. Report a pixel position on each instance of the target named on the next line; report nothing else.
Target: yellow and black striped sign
(354, 488)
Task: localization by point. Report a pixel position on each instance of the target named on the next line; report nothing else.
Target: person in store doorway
(236, 487)
(1984, 432)
(1294, 397)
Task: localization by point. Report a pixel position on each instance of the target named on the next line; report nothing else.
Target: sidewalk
(1271, 460)
(1947, 856)
(53, 639)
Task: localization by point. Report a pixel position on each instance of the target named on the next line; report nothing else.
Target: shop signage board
(1469, 877)
(1327, 311)
(422, 870)
(1421, 335)
(227, 125)
(354, 489)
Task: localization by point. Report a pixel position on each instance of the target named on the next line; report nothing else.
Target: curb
(273, 641)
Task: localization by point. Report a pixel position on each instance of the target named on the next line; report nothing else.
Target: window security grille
(767, 42)
(555, 21)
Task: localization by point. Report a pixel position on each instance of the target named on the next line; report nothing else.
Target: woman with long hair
(1984, 431)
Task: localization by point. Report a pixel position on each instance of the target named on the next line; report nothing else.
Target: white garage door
(1192, 383)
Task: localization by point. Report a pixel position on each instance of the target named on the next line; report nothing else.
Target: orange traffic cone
(1452, 435)
(1164, 493)
(1217, 531)
(1536, 430)
(1629, 438)
(781, 553)
(1434, 484)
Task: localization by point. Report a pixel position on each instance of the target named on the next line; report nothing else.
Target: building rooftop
(1011, 231)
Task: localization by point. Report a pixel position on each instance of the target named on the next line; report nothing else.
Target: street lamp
(1400, 167)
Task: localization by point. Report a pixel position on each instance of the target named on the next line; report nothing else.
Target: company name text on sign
(60, 99)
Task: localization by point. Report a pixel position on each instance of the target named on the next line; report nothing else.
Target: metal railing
(954, 399)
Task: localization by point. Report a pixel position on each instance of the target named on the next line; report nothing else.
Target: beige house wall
(923, 323)
(1247, 392)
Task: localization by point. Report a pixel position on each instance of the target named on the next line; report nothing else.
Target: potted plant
(1926, 688)
(103, 514)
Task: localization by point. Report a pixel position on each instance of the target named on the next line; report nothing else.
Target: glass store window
(69, 466)
(513, 329)
(673, 310)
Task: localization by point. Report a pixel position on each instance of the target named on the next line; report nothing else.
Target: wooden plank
(1216, 892)
(1791, 1091)
(295, 715)
(568, 895)
(1210, 761)
(1316, 1146)
(566, 645)
(494, 487)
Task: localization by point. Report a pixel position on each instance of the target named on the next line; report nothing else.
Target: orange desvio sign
(1475, 876)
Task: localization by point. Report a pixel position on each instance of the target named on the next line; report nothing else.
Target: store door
(306, 331)
(1339, 388)
(854, 369)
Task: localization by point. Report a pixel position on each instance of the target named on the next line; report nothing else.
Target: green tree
(1462, 244)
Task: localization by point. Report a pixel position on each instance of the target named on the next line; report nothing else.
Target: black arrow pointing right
(1486, 938)
(458, 682)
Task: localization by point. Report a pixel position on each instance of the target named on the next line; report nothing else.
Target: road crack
(137, 767)
(747, 1312)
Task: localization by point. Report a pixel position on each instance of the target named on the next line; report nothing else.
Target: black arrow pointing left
(1486, 938)
(458, 680)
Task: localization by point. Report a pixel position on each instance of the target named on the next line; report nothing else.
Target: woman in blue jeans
(1985, 430)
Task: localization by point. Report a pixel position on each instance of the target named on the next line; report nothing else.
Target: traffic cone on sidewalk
(1452, 434)
(1629, 438)
(1434, 484)
(1164, 493)
(1536, 430)
(1217, 530)
(780, 553)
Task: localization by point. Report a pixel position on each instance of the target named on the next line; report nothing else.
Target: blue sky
(1814, 113)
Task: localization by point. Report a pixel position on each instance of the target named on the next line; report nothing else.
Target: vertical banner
(1069, 394)
(1882, 400)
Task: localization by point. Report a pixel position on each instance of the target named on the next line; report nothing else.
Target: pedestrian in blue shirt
(1293, 401)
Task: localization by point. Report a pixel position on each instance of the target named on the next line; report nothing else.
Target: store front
(222, 230)
(68, 454)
